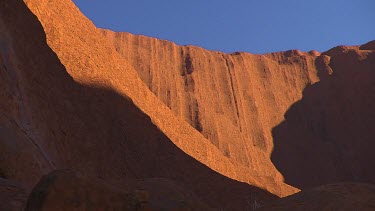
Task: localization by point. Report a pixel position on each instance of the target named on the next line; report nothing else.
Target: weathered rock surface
(92, 60)
(342, 196)
(233, 100)
(87, 121)
(186, 124)
(238, 102)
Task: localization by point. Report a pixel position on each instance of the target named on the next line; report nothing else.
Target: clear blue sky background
(256, 26)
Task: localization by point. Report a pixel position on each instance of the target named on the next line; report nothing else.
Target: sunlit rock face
(201, 129)
(90, 58)
(308, 111)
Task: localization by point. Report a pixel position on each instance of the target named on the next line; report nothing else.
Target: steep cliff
(233, 100)
(180, 122)
(238, 102)
(91, 59)
(78, 108)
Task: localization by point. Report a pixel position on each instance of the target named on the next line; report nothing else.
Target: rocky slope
(181, 124)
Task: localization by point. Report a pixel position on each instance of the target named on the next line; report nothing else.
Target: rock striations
(145, 124)
(70, 111)
(238, 102)
(233, 100)
(94, 61)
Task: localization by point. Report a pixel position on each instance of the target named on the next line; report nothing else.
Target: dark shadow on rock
(94, 130)
(328, 136)
(340, 196)
(12, 196)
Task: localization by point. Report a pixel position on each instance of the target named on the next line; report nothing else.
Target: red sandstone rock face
(233, 100)
(77, 97)
(95, 128)
(236, 100)
(93, 60)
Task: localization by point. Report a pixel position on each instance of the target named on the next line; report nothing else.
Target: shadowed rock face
(66, 190)
(328, 135)
(342, 196)
(12, 195)
(368, 46)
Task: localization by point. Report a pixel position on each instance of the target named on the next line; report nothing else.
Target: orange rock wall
(54, 122)
(92, 60)
(234, 100)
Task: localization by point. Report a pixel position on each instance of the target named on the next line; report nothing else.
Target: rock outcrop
(238, 102)
(190, 128)
(90, 59)
(89, 121)
(234, 100)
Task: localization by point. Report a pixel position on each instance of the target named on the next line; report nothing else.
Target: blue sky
(255, 26)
